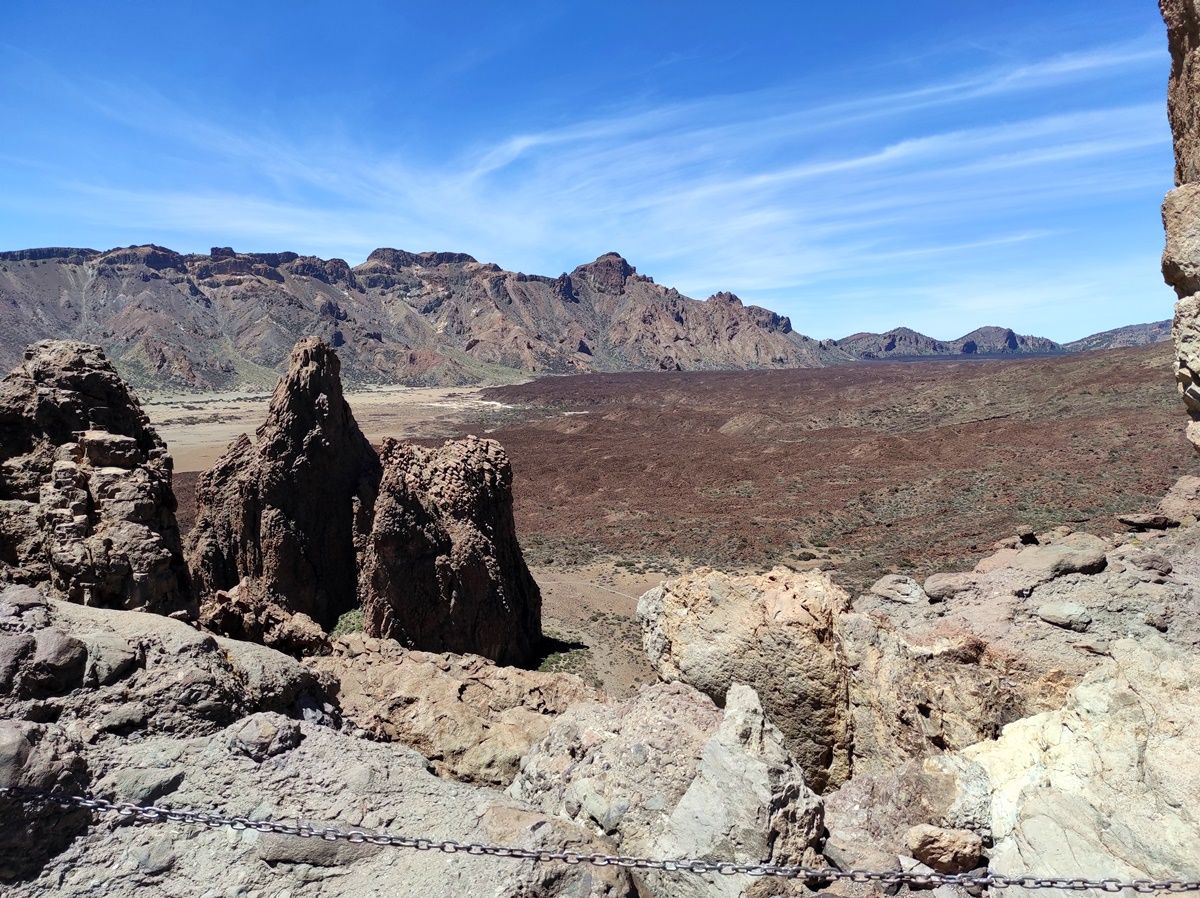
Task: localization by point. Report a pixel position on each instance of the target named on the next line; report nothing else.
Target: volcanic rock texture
(1181, 208)
(276, 517)
(85, 486)
(442, 570)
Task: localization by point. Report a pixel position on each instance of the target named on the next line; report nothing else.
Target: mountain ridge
(228, 319)
(217, 320)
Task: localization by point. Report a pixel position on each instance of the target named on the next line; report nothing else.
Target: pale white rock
(1071, 615)
(898, 588)
(773, 632)
(1182, 501)
(666, 772)
(939, 587)
(1106, 786)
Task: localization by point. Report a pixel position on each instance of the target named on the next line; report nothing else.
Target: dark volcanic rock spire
(277, 517)
(442, 570)
(85, 486)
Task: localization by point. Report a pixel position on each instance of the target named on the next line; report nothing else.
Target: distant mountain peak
(227, 318)
(903, 342)
(608, 273)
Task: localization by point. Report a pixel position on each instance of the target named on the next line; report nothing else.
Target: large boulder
(472, 719)
(86, 503)
(1106, 785)
(277, 517)
(442, 569)
(775, 632)
(667, 773)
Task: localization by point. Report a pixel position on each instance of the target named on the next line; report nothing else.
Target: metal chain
(153, 814)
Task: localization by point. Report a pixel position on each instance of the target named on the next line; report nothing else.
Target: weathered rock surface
(85, 486)
(667, 773)
(1181, 504)
(945, 850)
(37, 756)
(162, 712)
(869, 818)
(472, 719)
(442, 569)
(247, 615)
(96, 671)
(317, 775)
(277, 517)
(1005, 641)
(1181, 208)
(901, 589)
(774, 632)
(1107, 783)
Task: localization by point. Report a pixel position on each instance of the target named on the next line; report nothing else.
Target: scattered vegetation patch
(350, 622)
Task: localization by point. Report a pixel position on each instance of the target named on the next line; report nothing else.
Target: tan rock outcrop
(85, 486)
(472, 719)
(442, 570)
(1181, 208)
(945, 850)
(775, 632)
(1107, 784)
(277, 516)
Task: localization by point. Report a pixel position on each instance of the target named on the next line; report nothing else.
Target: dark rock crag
(276, 517)
(442, 570)
(85, 486)
(306, 522)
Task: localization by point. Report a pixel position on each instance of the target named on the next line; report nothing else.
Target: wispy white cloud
(912, 191)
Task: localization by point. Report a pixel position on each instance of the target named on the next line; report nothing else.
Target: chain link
(153, 814)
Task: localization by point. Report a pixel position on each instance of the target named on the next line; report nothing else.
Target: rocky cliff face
(1181, 208)
(212, 321)
(85, 486)
(442, 570)
(277, 517)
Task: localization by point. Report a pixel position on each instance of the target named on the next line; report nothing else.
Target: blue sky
(856, 166)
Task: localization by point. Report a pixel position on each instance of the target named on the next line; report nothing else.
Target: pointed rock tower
(276, 518)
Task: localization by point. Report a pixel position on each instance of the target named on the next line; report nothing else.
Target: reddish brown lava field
(870, 467)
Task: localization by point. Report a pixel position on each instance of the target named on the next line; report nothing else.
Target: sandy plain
(199, 427)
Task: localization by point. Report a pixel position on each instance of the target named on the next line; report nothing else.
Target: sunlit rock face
(1181, 208)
